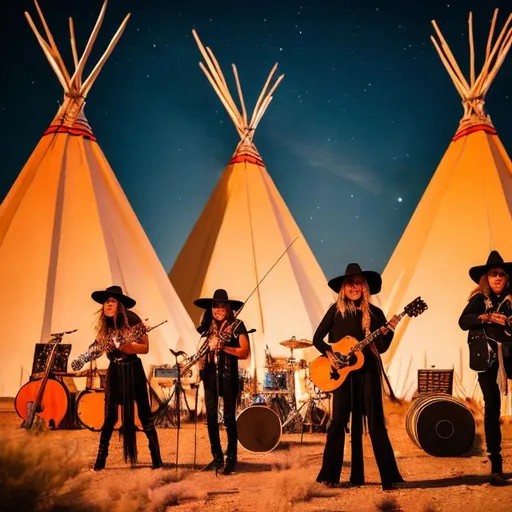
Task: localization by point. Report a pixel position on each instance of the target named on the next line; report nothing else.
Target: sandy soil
(281, 480)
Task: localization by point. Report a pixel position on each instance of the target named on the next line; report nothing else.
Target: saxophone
(224, 336)
(111, 341)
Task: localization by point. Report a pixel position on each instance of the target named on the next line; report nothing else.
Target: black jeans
(333, 453)
(492, 408)
(229, 395)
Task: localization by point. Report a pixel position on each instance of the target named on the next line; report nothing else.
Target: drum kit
(264, 416)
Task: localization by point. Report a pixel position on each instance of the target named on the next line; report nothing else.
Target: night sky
(351, 139)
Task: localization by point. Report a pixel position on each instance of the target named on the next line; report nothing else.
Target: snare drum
(259, 429)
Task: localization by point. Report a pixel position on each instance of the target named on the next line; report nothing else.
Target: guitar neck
(375, 334)
(51, 357)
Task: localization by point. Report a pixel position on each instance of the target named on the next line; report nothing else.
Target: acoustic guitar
(349, 355)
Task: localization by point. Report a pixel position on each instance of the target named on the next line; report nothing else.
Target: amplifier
(165, 372)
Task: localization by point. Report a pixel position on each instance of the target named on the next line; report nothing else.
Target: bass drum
(441, 425)
(90, 410)
(259, 429)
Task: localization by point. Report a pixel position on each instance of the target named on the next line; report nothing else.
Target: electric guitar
(349, 355)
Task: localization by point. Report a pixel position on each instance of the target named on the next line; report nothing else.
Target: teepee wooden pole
(449, 55)
(77, 75)
(73, 42)
(461, 89)
(50, 56)
(258, 115)
(266, 102)
(263, 107)
(471, 50)
(99, 66)
(54, 49)
(240, 94)
(491, 34)
(264, 90)
(483, 78)
(506, 42)
(220, 94)
(216, 66)
(216, 76)
(209, 57)
(499, 62)
(216, 71)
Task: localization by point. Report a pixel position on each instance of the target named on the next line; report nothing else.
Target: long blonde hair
(347, 306)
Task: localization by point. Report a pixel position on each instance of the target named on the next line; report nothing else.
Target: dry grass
(31, 480)
(29, 477)
(389, 505)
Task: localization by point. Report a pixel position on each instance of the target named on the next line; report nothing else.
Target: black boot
(101, 458)
(217, 463)
(229, 467)
(497, 477)
(154, 448)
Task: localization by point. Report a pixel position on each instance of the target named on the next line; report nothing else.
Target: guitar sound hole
(346, 360)
(342, 360)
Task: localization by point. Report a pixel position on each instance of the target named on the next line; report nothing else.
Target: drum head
(441, 425)
(90, 409)
(259, 429)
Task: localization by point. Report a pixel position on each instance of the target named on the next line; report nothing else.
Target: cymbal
(293, 343)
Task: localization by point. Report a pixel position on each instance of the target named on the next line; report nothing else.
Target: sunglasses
(357, 282)
(496, 273)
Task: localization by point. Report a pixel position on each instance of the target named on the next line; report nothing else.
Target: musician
(126, 382)
(360, 396)
(228, 342)
(489, 312)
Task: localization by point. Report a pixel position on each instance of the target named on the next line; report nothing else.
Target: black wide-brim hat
(493, 261)
(115, 292)
(353, 269)
(220, 295)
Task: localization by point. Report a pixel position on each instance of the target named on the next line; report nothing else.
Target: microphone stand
(178, 390)
(196, 386)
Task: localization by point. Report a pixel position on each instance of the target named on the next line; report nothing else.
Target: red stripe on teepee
(72, 130)
(473, 129)
(246, 158)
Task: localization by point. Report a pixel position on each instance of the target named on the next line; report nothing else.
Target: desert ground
(51, 470)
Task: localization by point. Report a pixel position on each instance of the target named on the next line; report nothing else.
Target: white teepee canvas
(465, 212)
(243, 230)
(67, 229)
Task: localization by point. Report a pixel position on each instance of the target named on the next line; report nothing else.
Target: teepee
(67, 229)
(465, 212)
(243, 230)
